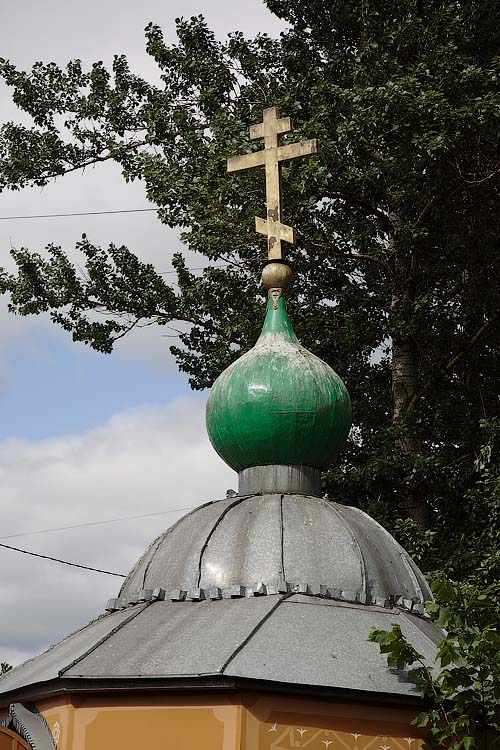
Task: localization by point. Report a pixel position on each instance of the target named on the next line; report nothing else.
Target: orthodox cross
(271, 129)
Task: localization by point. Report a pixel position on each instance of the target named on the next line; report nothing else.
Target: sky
(84, 437)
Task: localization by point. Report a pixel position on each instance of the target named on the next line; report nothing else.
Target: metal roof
(244, 541)
(48, 665)
(283, 638)
(315, 642)
(281, 588)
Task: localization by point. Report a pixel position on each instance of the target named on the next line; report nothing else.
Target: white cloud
(74, 32)
(96, 30)
(141, 461)
(101, 189)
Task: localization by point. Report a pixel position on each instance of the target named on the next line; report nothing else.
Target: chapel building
(245, 625)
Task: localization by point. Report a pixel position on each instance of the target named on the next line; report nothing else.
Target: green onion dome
(278, 403)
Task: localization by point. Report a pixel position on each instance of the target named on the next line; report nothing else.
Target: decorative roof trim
(31, 726)
(262, 588)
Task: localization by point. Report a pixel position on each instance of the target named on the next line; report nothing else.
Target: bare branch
(94, 160)
(126, 330)
(471, 342)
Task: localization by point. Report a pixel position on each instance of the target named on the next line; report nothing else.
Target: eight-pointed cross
(271, 129)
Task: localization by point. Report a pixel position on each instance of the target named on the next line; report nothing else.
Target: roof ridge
(237, 500)
(52, 646)
(364, 570)
(161, 537)
(255, 629)
(102, 640)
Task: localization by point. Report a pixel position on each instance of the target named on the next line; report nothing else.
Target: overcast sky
(87, 437)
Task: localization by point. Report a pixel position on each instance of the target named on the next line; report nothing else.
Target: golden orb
(277, 276)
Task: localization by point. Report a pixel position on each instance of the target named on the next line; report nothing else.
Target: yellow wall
(142, 722)
(274, 723)
(232, 721)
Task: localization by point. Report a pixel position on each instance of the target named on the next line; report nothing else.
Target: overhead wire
(63, 562)
(79, 213)
(197, 268)
(95, 523)
(100, 213)
(112, 520)
(79, 526)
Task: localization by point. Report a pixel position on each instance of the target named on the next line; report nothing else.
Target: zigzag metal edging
(414, 606)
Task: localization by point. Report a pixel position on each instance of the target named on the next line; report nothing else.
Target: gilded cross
(271, 129)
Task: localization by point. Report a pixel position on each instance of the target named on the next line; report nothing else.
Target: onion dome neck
(278, 406)
(277, 321)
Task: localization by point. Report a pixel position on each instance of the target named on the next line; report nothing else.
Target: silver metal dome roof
(271, 543)
(245, 591)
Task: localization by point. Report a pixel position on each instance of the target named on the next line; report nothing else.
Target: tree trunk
(404, 374)
(405, 365)
(404, 385)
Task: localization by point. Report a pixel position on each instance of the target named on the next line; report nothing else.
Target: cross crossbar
(270, 129)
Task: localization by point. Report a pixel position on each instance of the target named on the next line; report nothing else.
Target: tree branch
(471, 342)
(358, 200)
(126, 330)
(412, 403)
(360, 256)
(94, 160)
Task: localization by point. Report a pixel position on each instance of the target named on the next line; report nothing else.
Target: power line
(63, 562)
(79, 213)
(95, 523)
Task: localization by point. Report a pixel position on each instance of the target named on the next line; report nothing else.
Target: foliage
(463, 689)
(475, 557)
(397, 260)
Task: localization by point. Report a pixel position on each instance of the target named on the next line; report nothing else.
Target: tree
(475, 557)
(396, 264)
(463, 692)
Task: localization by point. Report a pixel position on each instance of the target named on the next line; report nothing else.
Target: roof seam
(405, 558)
(421, 631)
(406, 562)
(254, 630)
(148, 564)
(52, 647)
(393, 611)
(158, 541)
(364, 571)
(226, 510)
(103, 639)
(282, 533)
